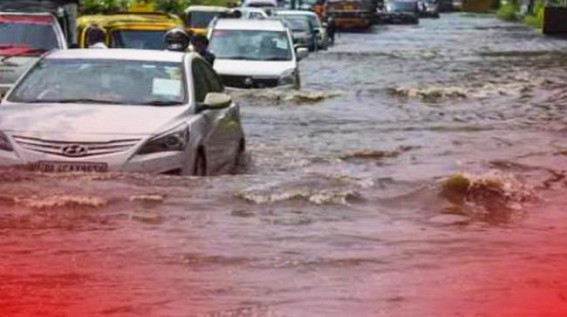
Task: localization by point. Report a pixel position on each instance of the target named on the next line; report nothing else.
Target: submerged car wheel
(200, 166)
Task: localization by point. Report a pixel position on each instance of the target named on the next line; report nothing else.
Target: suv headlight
(172, 141)
(5, 144)
(287, 77)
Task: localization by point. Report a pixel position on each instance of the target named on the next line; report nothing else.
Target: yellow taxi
(139, 30)
(197, 18)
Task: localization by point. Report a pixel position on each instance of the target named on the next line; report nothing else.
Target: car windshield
(251, 45)
(102, 81)
(402, 6)
(201, 19)
(298, 23)
(32, 36)
(146, 40)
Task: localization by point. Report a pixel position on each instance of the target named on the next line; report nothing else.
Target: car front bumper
(127, 161)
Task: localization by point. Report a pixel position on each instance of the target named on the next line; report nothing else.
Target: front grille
(90, 148)
(248, 81)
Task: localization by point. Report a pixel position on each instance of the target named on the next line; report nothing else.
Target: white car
(255, 53)
(121, 110)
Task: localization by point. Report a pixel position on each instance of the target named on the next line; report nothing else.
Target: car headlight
(287, 77)
(172, 141)
(5, 144)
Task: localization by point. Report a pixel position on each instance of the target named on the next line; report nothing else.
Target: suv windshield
(201, 19)
(251, 45)
(146, 40)
(102, 81)
(36, 36)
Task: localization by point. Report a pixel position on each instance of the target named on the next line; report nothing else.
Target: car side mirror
(215, 101)
(301, 53)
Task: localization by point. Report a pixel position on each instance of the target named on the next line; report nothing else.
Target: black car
(399, 12)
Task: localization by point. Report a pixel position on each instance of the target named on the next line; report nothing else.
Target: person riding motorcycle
(177, 40)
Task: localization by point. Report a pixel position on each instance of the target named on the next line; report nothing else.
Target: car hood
(88, 119)
(252, 68)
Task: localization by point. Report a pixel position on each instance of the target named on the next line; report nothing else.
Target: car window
(103, 81)
(41, 36)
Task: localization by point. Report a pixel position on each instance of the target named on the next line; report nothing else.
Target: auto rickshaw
(139, 30)
(197, 18)
(349, 14)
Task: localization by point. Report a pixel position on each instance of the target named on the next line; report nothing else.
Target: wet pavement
(419, 172)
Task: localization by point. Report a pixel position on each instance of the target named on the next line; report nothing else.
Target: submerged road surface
(420, 172)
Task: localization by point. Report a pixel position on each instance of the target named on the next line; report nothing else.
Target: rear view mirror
(215, 101)
(301, 52)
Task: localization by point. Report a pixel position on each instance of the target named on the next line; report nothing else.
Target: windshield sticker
(168, 87)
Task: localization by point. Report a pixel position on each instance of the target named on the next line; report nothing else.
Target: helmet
(176, 40)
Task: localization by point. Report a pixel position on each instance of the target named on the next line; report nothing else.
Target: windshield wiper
(162, 103)
(77, 100)
(238, 57)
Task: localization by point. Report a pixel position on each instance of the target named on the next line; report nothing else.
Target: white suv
(255, 53)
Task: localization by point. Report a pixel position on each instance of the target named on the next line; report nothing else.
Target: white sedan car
(121, 110)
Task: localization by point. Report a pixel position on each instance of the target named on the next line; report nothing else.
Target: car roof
(120, 54)
(294, 12)
(155, 20)
(207, 8)
(239, 24)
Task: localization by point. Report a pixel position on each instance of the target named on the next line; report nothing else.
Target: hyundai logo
(75, 150)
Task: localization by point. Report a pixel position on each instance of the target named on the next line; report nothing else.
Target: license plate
(63, 167)
(348, 8)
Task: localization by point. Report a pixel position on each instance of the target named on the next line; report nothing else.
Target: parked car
(265, 4)
(121, 110)
(30, 28)
(140, 30)
(255, 53)
(399, 12)
(349, 14)
(252, 13)
(428, 8)
(313, 30)
(198, 18)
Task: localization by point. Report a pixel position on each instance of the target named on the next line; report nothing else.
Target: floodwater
(419, 172)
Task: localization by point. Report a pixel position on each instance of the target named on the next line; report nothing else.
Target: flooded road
(420, 172)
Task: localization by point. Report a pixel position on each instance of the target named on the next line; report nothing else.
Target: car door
(223, 126)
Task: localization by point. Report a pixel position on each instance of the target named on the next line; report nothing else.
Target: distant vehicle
(399, 12)
(349, 14)
(121, 110)
(137, 30)
(255, 53)
(197, 18)
(305, 25)
(260, 4)
(30, 28)
(428, 8)
(252, 13)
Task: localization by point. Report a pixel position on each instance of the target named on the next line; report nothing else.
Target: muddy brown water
(420, 172)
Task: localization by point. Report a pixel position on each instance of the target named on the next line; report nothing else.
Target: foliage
(103, 6)
(508, 12)
(536, 19)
